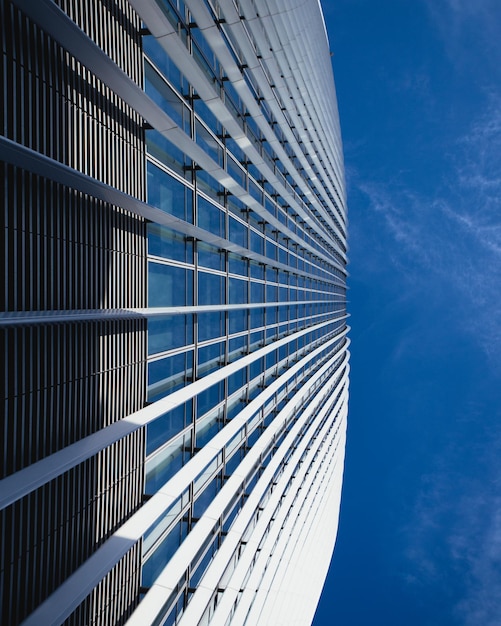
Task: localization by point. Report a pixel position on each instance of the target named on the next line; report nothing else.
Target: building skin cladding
(175, 376)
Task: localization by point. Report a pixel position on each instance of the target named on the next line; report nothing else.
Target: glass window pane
(164, 63)
(238, 321)
(169, 285)
(168, 244)
(211, 325)
(169, 194)
(238, 291)
(168, 332)
(167, 426)
(210, 357)
(168, 153)
(210, 217)
(166, 98)
(211, 288)
(210, 256)
(238, 232)
(169, 374)
(167, 462)
(238, 265)
(209, 398)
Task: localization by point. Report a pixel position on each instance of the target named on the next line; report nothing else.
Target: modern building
(175, 358)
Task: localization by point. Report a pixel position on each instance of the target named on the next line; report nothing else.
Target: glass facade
(244, 361)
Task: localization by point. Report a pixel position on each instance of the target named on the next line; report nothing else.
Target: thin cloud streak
(461, 21)
(455, 236)
(451, 242)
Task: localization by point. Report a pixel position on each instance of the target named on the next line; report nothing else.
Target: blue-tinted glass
(256, 368)
(233, 408)
(210, 325)
(210, 256)
(271, 250)
(256, 270)
(283, 256)
(169, 285)
(271, 293)
(166, 98)
(238, 291)
(234, 461)
(209, 185)
(271, 275)
(236, 347)
(155, 564)
(271, 359)
(209, 398)
(204, 48)
(157, 54)
(256, 318)
(257, 292)
(210, 217)
(208, 142)
(256, 339)
(167, 463)
(201, 504)
(238, 232)
(283, 352)
(169, 194)
(238, 321)
(235, 149)
(254, 172)
(253, 437)
(237, 207)
(208, 428)
(209, 357)
(238, 265)
(271, 315)
(237, 380)
(166, 152)
(236, 171)
(270, 206)
(256, 242)
(169, 374)
(167, 426)
(168, 244)
(282, 217)
(207, 115)
(211, 288)
(232, 94)
(255, 191)
(168, 332)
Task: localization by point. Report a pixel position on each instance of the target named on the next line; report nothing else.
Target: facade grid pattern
(175, 307)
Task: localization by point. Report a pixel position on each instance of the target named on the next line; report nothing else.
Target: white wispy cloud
(470, 510)
(463, 21)
(453, 239)
(451, 242)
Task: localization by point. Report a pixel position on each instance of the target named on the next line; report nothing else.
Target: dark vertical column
(64, 250)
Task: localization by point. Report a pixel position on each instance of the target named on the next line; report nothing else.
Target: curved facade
(176, 358)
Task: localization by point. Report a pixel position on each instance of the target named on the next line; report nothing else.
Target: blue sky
(419, 92)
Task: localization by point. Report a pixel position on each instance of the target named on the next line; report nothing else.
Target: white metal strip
(149, 608)
(74, 590)
(58, 25)
(214, 574)
(30, 478)
(214, 38)
(276, 602)
(24, 318)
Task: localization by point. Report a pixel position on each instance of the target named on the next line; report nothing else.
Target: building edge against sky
(174, 336)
